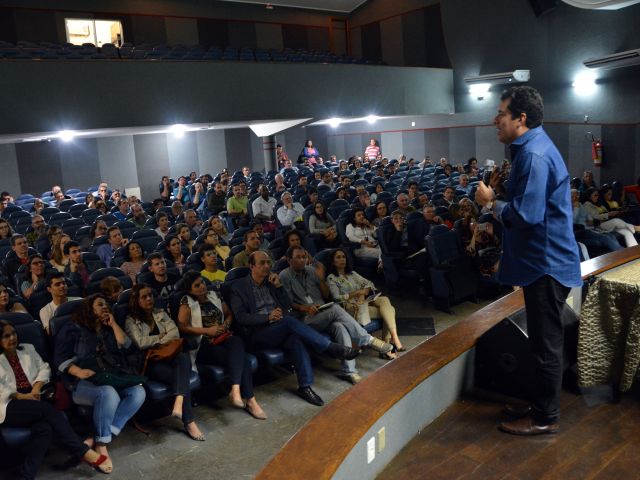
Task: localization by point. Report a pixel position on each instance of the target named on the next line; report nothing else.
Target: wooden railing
(318, 449)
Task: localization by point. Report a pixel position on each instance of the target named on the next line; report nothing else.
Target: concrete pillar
(269, 151)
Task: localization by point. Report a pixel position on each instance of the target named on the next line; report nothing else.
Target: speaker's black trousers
(544, 300)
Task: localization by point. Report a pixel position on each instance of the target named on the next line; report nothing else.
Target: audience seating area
(23, 50)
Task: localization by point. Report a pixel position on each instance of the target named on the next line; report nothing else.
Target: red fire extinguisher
(596, 151)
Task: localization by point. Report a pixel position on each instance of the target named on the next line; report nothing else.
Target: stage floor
(600, 442)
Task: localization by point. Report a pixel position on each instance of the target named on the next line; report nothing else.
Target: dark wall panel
(8, 25)
(148, 29)
(619, 154)
(371, 42)
(437, 143)
(213, 32)
(436, 49)
(36, 25)
(294, 36)
(413, 145)
(242, 34)
(152, 161)
(79, 163)
(414, 50)
(34, 159)
(238, 145)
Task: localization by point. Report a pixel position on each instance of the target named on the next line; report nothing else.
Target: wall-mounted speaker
(540, 7)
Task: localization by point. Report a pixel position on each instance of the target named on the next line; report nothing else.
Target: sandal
(388, 356)
(99, 464)
(396, 349)
(197, 438)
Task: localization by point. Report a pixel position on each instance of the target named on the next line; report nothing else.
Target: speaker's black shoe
(517, 410)
(310, 396)
(342, 352)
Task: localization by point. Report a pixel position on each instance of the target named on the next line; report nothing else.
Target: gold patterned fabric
(609, 338)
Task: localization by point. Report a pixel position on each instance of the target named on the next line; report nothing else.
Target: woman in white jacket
(205, 318)
(23, 373)
(608, 220)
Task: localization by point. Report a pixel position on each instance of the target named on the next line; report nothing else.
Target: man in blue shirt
(540, 252)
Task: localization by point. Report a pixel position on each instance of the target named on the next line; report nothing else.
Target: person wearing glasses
(35, 275)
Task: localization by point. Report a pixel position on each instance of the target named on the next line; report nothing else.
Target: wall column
(269, 151)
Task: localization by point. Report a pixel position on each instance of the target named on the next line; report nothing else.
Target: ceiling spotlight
(66, 135)
(178, 130)
(371, 119)
(334, 122)
(585, 83)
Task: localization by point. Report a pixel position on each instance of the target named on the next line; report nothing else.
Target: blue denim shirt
(537, 215)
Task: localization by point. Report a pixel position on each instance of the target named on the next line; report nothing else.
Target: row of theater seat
(128, 51)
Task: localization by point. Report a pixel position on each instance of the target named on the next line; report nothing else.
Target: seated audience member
(374, 196)
(279, 185)
(263, 205)
(308, 292)
(342, 194)
(111, 288)
(114, 242)
(176, 208)
(364, 199)
(59, 198)
(288, 165)
(468, 214)
(162, 219)
(123, 210)
(607, 201)
(165, 189)
(184, 234)
(134, 259)
(77, 270)
(181, 192)
(256, 226)
(23, 373)
(303, 186)
(293, 238)
(251, 242)
(57, 287)
(149, 327)
(216, 199)
(327, 180)
(321, 223)
(192, 221)
(281, 155)
(448, 198)
(412, 191)
(34, 271)
(90, 200)
(209, 258)
(38, 230)
(101, 206)
(220, 229)
(463, 184)
(402, 200)
(161, 281)
(5, 229)
(6, 305)
(397, 242)
(587, 183)
(156, 205)
(173, 251)
(204, 317)
(290, 213)
(260, 305)
(587, 233)
(381, 213)
(53, 235)
(484, 247)
(351, 289)
(58, 259)
(139, 217)
(309, 151)
(608, 220)
(237, 207)
(198, 195)
(98, 228)
(38, 206)
(102, 193)
(361, 231)
(91, 338)
(211, 238)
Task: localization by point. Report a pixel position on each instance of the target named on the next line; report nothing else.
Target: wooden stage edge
(333, 433)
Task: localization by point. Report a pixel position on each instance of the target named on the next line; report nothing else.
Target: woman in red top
(373, 150)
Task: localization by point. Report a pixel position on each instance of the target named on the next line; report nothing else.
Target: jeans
(292, 335)
(176, 373)
(343, 329)
(603, 240)
(46, 424)
(544, 300)
(111, 409)
(230, 354)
